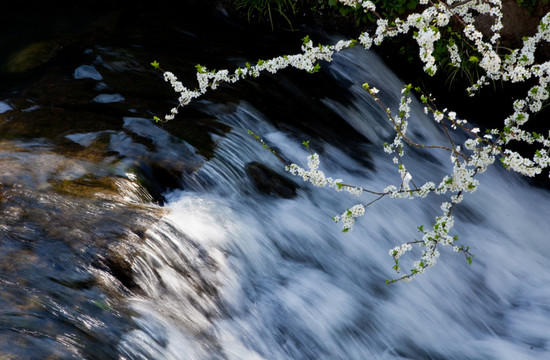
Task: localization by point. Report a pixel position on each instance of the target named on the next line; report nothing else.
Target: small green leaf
(469, 260)
(315, 69)
(155, 64)
(156, 118)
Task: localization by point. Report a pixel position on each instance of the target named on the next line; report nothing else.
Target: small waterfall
(232, 273)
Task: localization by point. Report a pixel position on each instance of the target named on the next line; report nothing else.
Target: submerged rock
(269, 182)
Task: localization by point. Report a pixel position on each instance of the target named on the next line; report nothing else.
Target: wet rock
(269, 182)
(197, 130)
(158, 178)
(87, 72)
(121, 269)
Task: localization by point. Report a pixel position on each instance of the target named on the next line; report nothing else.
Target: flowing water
(126, 242)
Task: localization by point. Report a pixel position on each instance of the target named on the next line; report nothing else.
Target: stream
(126, 239)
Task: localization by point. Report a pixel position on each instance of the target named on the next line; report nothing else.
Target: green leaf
(155, 64)
(315, 69)
(305, 40)
(156, 118)
(200, 68)
(469, 259)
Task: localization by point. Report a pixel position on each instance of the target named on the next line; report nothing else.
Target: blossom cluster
(318, 177)
(348, 217)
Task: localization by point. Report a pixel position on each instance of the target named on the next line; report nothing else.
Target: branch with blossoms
(472, 157)
(211, 79)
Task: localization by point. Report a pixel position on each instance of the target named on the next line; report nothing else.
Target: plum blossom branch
(207, 79)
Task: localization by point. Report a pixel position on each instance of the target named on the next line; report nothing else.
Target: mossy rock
(32, 56)
(108, 187)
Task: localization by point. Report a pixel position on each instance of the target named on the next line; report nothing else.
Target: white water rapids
(234, 274)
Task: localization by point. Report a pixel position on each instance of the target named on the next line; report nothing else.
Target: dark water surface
(124, 239)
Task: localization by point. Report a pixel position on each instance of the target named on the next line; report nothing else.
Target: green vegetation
(387, 9)
(264, 10)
